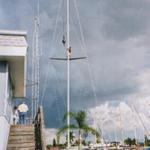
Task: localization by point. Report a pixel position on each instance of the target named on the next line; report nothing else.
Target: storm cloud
(116, 34)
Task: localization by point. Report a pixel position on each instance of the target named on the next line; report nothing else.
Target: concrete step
(31, 148)
(22, 133)
(18, 128)
(22, 130)
(21, 145)
(30, 137)
(21, 139)
(22, 125)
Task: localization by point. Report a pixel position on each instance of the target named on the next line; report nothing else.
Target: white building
(13, 51)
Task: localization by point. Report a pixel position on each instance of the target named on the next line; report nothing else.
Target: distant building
(13, 51)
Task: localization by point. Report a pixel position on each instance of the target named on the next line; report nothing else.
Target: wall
(4, 132)
(2, 86)
(5, 104)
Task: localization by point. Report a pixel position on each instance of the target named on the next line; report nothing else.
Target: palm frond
(81, 118)
(71, 114)
(63, 129)
(92, 130)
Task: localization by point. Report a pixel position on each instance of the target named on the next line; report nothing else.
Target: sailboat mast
(69, 58)
(68, 75)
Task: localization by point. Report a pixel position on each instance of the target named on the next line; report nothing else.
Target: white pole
(68, 76)
(135, 135)
(121, 126)
(135, 132)
(102, 133)
(116, 138)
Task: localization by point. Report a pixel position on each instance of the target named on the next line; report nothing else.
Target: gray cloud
(125, 19)
(117, 39)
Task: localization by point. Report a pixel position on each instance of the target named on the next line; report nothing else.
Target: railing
(39, 130)
(28, 121)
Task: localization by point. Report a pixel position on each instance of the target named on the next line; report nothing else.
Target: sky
(114, 35)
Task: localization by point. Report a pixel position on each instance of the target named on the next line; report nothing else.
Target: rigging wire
(55, 39)
(57, 99)
(142, 123)
(121, 125)
(64, 28)
(52, 41)
(86, 53)
(134, 125)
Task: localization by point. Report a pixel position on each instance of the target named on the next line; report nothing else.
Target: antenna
(35, 64)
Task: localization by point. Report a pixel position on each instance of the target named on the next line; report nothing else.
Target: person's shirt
(16, 113)
(23, 108)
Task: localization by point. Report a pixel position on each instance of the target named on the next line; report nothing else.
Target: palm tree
(81, 125)
(71, 137)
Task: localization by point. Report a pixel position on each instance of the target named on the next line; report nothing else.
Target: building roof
(12, 38)
(13, 48)
(13, 32)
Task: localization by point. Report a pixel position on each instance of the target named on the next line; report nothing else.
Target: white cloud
(121, 116)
